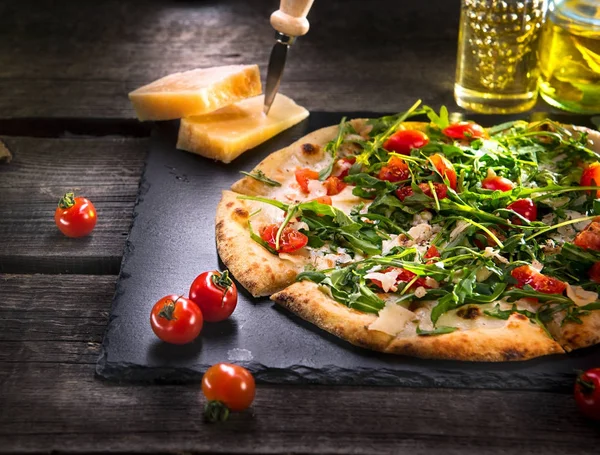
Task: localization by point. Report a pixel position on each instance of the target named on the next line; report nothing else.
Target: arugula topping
(332, 148)
(441, 330)
(261, 177)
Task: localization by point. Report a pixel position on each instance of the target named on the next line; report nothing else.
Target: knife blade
(276, 67)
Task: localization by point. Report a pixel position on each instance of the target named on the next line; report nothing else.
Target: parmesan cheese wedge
(195, 92)
(392, 319)
(227, 133)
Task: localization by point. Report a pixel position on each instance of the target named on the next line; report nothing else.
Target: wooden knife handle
(290, 18)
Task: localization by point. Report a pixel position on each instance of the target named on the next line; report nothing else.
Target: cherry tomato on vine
(524, 207)
(176, 319)
(227, 388)
(290, 241)
(303, 175)
(445, 168)
(591, 177)
(589, 238)
(75, 216)
(526, 274)
(587, 393)
(497, 183)
(394, 171)
(404, 141)
(215, 294)
(465, 130)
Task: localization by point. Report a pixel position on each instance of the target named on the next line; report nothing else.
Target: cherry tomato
(290, 241)
(176, 320)
(303, 175)
(334, 185)
(343, 165)
(587, 393)
(441, 191)
(404, 276)
(594, 272)
(227, 388)
(431, 253)
(215, 294)
(75, 216)
(591, 177)
(497, 183)
(589, 238)
(404, 141)
(394, 171)
(524, 207)
(324, 200)
(465, 131)
(445, 168)
(526, 274)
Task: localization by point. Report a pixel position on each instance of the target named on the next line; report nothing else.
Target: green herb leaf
(442, 330)
(332, 148)
(261, 177)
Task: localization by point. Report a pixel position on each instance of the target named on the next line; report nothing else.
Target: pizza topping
(465, 131)
(386, 280)
(392, 319)
(589, 238)
(496, 183)
(524, 207)
(395, 170)
(444, 168)
(440, 190)
(580, 296)
(342, 167)
(334, 185)
(527, 275)
(591, 177)
(404, 141)
(594, 272)
(304, 176)
(290, 239)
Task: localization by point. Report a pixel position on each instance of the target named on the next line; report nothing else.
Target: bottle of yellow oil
(569, 56)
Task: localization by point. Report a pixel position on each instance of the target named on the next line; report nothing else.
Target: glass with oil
(496, 70)
(570, 56)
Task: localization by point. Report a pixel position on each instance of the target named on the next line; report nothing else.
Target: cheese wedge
(227, 133)
(195, 92)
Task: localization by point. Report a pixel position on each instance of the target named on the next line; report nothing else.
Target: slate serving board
(172, 241)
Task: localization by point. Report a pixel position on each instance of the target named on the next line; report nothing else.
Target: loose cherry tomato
(176, 320)
(465, 131)
(587, 393)
(589, 238)
(394, 171)
(404, 141)
(303, 175)
(594, 272)
(497, 183)
(324, 200)
(334, 185)
(445, 168)
(526, 274)
(342, 167)
(441, 191)
(227, 388)
(404, 276)
(290, 241)
(75, 216)
(215, 294)
(432, 252)
(591, 177)
(524, 207)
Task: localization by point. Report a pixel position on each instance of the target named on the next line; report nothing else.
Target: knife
(289, 22)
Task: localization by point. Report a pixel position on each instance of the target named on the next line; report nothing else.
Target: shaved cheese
(316, 189)
(492, 253)
(482, 274)
(388, 245)
(537, 265)
(387, 279)
(460, 226)
(431, 283)
(580, 296)
(420, 292)
(299, 225)
(422, 217)
(421, 232)
(392, 319)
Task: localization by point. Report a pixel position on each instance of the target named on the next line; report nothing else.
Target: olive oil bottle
(569, 58)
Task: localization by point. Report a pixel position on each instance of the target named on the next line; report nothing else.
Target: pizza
(430, 239)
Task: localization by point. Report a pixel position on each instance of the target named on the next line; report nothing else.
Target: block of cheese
(227, 133)
(195, 92)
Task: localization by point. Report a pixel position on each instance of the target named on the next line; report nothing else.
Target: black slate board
(172, 241)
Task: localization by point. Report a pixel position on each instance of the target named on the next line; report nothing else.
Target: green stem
(67, 201)
(216, 411)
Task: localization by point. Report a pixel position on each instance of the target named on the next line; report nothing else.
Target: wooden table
(65, 70)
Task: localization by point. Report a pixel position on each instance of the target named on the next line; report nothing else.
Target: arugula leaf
(258, 239)
(442, 120)
(442, 330)
(316, 277)
(332, 148)
(261, 177)
(505, 314)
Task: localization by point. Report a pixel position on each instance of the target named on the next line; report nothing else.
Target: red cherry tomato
(334, 185)
(176, 320)
(75, 216)
(591, 177)
(394, 171)
(227, 388)
(215, 294)
(290, 241)
(594, 272)
(404, 141)
(303, 175)
(445, 168)
(524, 207)
(441, 191)
(497, 183)
(465, 131)
(526, 274)
(431, 253)
(589, 238)
(404, 276)
(343, 165)
(587, 393)
(324, 200)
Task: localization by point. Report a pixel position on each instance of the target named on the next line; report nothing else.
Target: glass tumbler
(496, 70)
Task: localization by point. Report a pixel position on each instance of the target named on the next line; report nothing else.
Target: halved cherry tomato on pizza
(464, 131)
(594, 272)
(227, 387)
(404, 276)
(303, 175)
(497, 183)
(342, 167)
(215, 294)
(176, 319)
(290, 241)
(524, 207)
(587, 393)
(445, 168)
(441, 191)
(394, 171)
(589, 238)
(591, 177)
(75, 216)
(527, 275)
(432, 252)
(404, 141)
(334, 185)
(324, 200)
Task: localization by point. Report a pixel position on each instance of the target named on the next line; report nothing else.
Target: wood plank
(106, 170)
(378, 55)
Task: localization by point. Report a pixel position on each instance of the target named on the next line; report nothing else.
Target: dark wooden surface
(65, 69)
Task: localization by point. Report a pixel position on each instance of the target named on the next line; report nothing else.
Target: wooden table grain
(65, 70)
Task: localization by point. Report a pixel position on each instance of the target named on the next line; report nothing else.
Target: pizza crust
(574, 336)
